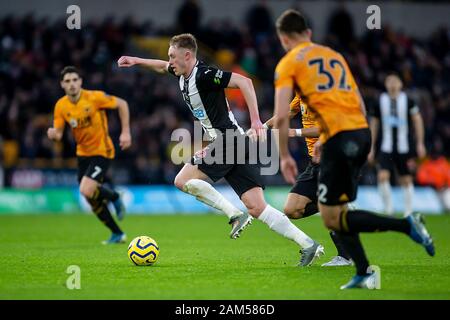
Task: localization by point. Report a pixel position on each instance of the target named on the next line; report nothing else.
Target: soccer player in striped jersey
(395, 114)
(202, 87)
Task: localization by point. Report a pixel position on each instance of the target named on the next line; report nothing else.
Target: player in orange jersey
(85, 112)
(302, 199)
(323, 80)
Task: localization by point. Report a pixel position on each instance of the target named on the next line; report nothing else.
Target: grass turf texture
(199, 261)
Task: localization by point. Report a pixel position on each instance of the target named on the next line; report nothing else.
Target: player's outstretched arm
(304, 132)
(312, 132)
(124, 116)
(271, 122)
(156, 65)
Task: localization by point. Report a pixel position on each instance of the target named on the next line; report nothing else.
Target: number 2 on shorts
(322, 193)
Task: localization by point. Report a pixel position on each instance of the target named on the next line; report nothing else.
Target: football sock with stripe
(104, 192)
(352, 244)
(338, 244)
(366, 221)
(101, 211)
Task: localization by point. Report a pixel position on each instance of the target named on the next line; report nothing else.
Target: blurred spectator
(435, 171)
(189, 17)
(259, 19)
(33, 51)
(340, 26)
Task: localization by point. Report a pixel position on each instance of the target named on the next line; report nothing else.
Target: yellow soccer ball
(143, 251)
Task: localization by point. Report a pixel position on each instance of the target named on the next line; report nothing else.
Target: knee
(255, 208)
(293, 212)
(179, 182)
(87, 191)
(405, 181)
(254, 201)
(331, 222)
(383, 176)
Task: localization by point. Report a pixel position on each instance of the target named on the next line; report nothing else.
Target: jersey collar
(79, 99)
(302, 45)
(192, 71)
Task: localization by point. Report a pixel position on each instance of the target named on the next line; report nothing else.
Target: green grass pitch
(198, 261)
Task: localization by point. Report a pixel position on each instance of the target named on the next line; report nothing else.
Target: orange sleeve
(104, 101)
(58, 119)
(284, 74)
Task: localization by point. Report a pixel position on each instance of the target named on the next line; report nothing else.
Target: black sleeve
(212, 78)
(413, 108)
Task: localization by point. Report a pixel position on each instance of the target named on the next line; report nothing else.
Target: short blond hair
(184, 40)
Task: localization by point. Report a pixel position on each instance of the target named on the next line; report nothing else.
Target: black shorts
(241, 170)
(94, 167)
(343, 155)
(307, 182)
(389, 161)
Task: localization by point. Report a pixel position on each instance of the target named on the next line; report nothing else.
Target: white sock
(206, 193)
(385, 191)
(280, 223)
(408, 192)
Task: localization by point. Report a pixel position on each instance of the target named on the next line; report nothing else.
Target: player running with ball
(203, 87)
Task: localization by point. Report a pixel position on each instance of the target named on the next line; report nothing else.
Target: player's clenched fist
(125, 140)
(127, 61)
(289, 169)
(53, 134)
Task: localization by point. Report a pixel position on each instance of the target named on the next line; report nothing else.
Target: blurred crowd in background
(33, 52)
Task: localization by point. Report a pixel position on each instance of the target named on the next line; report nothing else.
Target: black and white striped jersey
(203, 92)
(395, 118)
